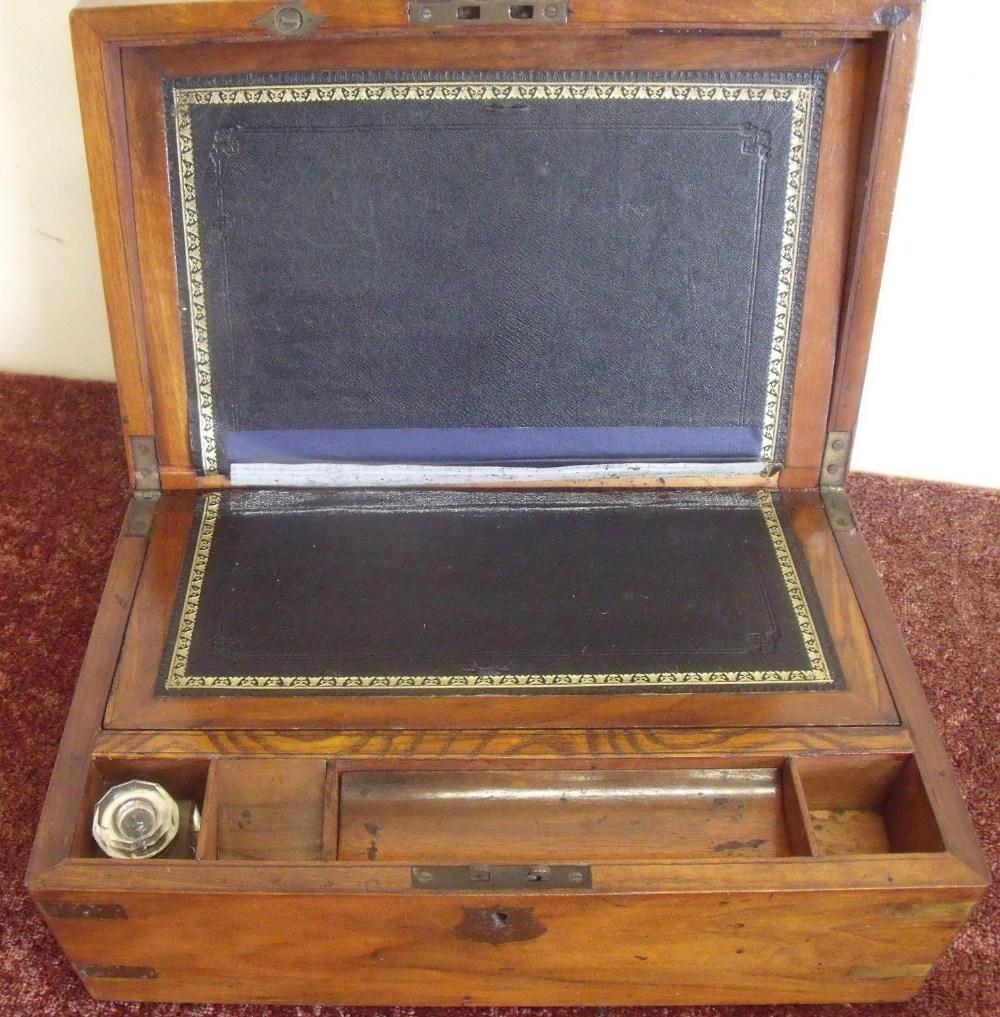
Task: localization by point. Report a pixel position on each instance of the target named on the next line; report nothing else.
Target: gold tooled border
(800, 96)
(179, 679)
(192, 596)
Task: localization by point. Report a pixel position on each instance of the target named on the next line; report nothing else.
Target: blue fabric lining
(495, 444)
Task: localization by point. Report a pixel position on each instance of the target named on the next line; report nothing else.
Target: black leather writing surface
(429, 254)
(407, 592)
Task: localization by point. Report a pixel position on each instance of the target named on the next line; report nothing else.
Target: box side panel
(56, 827)
(908, 695)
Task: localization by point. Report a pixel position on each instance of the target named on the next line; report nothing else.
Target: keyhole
(500, 919)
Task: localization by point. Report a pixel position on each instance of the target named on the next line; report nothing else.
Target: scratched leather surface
(395, 264)
(479, 584)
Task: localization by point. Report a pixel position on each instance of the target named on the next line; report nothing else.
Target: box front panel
(505, 950)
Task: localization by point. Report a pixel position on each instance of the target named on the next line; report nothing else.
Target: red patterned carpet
(62, 495)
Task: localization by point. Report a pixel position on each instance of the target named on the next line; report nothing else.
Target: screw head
(838, 444)
(288, 20)
(426, 14)
(551, 10)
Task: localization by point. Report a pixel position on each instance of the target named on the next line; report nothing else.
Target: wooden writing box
(488, 377)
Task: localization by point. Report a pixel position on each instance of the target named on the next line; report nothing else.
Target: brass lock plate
(436, 13)
(501, 877)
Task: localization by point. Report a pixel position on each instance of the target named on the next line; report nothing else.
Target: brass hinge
(90, 911)
(838, 509)
(145, 462)
(833, 476)
(469, 13)
(835, 459)
(140, 512)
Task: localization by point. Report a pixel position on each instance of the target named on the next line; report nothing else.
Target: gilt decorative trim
(807, 627)
(192, 596)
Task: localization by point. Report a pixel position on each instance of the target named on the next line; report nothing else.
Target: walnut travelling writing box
(490, 604)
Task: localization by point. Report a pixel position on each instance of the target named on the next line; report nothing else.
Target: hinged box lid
(411, 261)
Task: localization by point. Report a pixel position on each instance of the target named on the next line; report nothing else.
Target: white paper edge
(408, 475)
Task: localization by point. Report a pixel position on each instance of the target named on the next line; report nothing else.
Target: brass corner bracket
(893, 15)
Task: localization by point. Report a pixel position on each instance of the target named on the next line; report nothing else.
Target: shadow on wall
(52, 317)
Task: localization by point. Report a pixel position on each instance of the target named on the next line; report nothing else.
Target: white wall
(931, 405)
(932, 402)
(52, 318)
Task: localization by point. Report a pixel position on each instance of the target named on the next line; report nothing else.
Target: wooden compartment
(184, 780)
(552, 815)
(265, 810)
(867, 805)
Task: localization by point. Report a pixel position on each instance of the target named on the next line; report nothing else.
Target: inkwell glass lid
(137, 819)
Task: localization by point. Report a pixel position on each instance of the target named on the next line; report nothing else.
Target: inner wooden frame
(134, 702)
(846, 62)
(309, 808)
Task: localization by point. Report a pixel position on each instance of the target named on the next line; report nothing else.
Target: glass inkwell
(139, 819)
